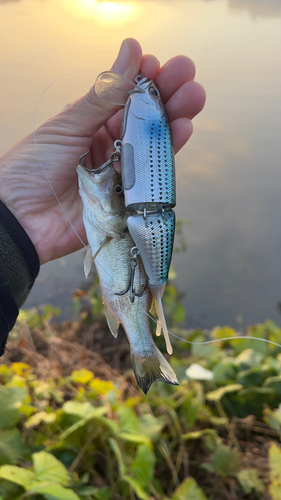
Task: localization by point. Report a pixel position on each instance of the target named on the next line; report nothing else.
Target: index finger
(175, 73)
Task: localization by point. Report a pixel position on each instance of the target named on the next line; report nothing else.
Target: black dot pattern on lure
(162, 244)
(162, 183)
(153, 236)
(151, 163)
(166, 131)
(159, 160)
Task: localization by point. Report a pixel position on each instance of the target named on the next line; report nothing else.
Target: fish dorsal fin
(87, 262)
(112, 321)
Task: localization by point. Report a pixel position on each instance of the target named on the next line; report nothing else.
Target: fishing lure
(148, 176)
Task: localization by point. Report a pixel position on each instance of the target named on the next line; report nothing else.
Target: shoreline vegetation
(74, 424)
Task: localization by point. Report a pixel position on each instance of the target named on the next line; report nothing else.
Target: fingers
(181, 129)
(187, 101)
(129, 59)
(67, 106)
(183, 97)
(175, 73)
(150, 66)
(88, 114)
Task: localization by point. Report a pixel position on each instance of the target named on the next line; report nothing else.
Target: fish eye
(153, 91)
(118, 189)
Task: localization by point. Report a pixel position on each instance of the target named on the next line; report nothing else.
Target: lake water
(229, 173)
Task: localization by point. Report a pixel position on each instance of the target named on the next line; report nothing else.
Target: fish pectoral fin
(151, 368)
(89, 257)
(112, 321)
(106, 240)
(87, 262)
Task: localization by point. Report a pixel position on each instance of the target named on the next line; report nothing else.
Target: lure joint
(133, 264)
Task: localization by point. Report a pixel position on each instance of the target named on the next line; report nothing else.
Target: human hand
(87, 124)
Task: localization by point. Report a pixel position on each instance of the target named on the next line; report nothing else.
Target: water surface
(228, 175)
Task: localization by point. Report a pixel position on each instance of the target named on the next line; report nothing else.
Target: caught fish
(117, 261)
(148, 176)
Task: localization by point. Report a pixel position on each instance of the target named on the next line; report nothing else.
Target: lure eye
(118, 189)
(153, 91)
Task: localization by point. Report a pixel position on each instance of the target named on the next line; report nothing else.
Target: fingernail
(122, 62)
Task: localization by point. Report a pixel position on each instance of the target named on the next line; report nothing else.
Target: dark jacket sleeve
(19, 267)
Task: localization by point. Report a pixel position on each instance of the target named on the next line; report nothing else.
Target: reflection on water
(228, 176)
(257, 8)
(8, 1)
(104, 12)
(114, 10)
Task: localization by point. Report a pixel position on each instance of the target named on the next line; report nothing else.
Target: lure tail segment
(152, 368)
(153, 234)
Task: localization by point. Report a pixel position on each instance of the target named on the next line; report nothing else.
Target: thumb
(86, 115)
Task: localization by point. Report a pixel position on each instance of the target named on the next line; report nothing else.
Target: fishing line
(87, 247)
(37, 152)
(243, 337)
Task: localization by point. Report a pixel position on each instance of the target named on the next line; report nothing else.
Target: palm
(86, 125)
(52, 219)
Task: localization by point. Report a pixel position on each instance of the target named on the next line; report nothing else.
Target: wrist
(19, 262)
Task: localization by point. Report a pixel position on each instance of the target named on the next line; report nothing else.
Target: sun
(105, 12)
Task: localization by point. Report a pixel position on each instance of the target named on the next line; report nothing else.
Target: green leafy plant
(76, 434)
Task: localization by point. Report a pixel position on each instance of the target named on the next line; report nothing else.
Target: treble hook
(115, 156)
(133, 264)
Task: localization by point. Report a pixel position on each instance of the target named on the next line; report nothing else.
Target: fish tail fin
(152, 368)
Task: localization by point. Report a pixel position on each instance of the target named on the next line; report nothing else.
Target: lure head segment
(147, 157)
(145, 101)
